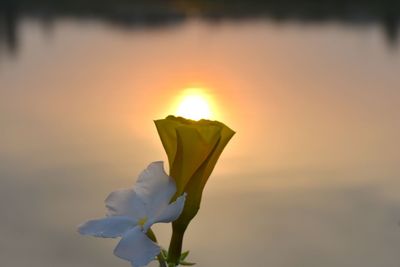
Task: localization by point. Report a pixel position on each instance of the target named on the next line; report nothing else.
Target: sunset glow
(195, 104)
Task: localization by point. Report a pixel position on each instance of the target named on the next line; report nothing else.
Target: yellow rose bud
(193, 148)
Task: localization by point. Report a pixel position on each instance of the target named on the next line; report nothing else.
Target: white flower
(131, 213)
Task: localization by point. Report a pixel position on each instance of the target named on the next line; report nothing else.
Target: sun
(195, 104)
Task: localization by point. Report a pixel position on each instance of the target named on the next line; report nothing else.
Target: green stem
(175, 246)
(160, 257)
(161, 260)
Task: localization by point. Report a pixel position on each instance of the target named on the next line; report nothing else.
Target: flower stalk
(175, 247)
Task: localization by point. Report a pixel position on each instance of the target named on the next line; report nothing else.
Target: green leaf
(184, 255)
(185, 263)
(164, 253)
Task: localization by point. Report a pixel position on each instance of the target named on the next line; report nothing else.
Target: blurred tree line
(139, 13)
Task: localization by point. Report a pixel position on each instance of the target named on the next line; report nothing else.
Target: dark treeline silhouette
(158, 13)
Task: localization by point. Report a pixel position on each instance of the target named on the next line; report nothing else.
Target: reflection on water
(310, 179)
(166, 13)
(8, 28)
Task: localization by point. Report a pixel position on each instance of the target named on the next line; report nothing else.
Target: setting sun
(195, 104)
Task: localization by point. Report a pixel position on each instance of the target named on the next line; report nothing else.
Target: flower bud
(193, 148)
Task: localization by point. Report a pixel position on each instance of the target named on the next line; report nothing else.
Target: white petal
(169, 213)
(137, 248)
(107, 227)
(155, 188)
(125, 202)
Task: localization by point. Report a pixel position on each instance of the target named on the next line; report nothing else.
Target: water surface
(310, 179)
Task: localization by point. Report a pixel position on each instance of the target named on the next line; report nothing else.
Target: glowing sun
(195, 104)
